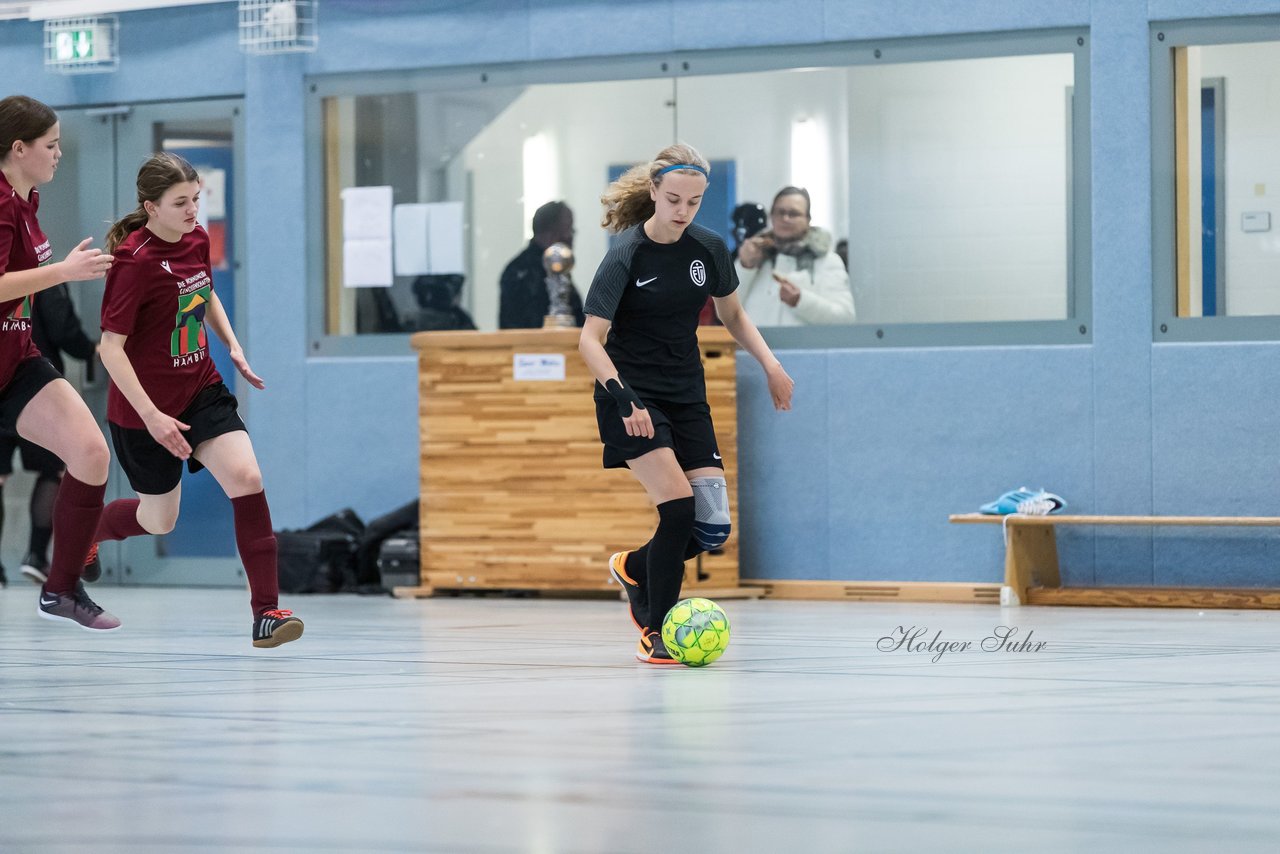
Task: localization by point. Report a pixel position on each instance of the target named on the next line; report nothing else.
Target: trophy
(558, 261)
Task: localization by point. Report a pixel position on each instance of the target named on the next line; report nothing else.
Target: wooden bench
(1031, 563)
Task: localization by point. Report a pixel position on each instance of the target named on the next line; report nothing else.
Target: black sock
(664, 557)
(636, 560)
(43, 497)
(637, 566)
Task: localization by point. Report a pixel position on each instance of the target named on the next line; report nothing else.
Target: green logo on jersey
(188, 334)
(23, 310)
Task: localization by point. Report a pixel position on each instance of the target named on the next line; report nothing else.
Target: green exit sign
(71, 45)
(81, 44)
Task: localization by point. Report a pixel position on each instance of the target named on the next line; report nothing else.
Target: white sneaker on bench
(1024, 501)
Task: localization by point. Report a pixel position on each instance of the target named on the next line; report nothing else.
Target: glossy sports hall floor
(521, 725)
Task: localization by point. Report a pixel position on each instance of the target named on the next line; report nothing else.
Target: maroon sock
(75, 519)
(257, 544)
(119, 521)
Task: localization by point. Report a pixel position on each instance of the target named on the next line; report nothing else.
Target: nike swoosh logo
(640, 284)
(717, 456)
(49, 602)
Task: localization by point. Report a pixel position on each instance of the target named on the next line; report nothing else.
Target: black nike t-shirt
(652, 293)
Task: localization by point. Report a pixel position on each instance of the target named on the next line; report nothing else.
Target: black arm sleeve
(59, 326)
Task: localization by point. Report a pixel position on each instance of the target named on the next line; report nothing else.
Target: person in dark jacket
(438, 307)
(524, 299)
(55, 330)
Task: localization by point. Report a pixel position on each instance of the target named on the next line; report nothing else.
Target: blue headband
(674, 166)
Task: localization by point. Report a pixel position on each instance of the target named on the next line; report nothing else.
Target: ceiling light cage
(278, 26)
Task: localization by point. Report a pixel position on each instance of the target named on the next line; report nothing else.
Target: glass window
(941, 189)
(1226, 129)
(948, 180)
(501, 152)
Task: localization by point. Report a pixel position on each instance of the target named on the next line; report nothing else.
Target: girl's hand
(83, 263)
(780, 386)
(242, 365)
(168, 432)
(639, 423)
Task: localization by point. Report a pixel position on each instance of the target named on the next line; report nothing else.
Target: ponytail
(627, 201)
(132, 221)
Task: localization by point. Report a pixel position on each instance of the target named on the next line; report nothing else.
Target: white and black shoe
(276, 627)
(35, 567)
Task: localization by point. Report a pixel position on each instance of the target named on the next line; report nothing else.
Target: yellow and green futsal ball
(696, 631)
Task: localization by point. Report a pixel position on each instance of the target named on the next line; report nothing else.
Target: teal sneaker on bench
(1024, 501)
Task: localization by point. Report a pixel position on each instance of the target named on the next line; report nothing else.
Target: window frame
(1167, 326)
(1076, 328)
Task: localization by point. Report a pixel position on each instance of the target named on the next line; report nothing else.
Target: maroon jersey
(157, 294)
(23, 246)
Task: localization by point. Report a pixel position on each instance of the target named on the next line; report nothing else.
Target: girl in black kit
(640, 341)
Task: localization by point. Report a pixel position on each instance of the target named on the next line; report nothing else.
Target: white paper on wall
(428, 238)
(444, 236)
(411, 225)
(366, 213)
(366, 263)
(366, 237)
(213, 194)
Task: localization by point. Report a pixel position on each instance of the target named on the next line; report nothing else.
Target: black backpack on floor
(321, 558)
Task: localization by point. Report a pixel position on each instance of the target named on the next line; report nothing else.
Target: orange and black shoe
(635, 595)
(92, 566)
(652, 650)
(275, 627)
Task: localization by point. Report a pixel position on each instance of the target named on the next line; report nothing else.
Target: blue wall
(857, 482)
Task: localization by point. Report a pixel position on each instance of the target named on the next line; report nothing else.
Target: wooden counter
(513, 493)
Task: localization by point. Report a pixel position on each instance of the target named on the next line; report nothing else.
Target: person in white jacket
(790, 276)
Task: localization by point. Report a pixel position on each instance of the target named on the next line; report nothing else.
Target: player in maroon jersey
(36, 403)
(167, 403)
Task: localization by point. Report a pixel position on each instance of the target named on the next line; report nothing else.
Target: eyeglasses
(788, 214)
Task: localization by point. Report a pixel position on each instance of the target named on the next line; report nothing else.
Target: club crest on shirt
(19, 320)
(188, 341)
(698, 272)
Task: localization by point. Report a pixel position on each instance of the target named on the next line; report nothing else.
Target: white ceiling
(39, 10)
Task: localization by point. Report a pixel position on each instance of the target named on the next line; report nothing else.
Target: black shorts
(685, 428)
(151, 469)
(30, 378)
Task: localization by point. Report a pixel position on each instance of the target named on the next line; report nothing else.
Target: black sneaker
(275, 627)
(652, 650)
(35, 567)
(92, 566)
(4, 582)
(636, 597)
(76, 607)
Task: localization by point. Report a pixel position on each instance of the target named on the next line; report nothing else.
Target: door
(1213, 207)
(102, 151)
